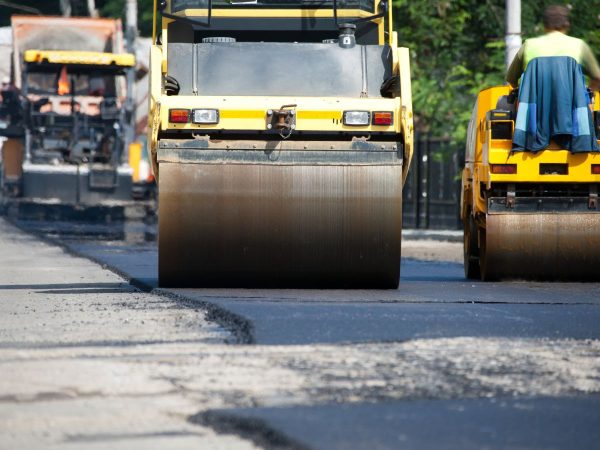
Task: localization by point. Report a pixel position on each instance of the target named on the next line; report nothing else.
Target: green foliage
(115, 8)
(457, 49)
(44, 7)
(107, 8)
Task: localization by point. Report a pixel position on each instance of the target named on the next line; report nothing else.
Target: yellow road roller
(281, 133)
(527, 215)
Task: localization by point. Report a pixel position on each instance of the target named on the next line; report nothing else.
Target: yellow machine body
(69, 57)
(526, 215)
(314, 203)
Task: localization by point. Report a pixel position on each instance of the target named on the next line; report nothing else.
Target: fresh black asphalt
(434, 301)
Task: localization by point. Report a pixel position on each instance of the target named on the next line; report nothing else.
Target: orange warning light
(63, 82)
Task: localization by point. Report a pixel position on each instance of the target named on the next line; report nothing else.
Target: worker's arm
(516, 68)
(590, 66)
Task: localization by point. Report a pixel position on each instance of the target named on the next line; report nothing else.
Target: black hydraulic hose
(335, 16)
(383, 13)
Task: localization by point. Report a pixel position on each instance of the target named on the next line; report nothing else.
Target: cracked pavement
(73, 338)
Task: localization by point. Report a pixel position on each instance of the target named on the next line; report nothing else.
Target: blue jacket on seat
(554, 104)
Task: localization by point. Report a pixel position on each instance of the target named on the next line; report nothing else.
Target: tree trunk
(65, 8)
(91, 6)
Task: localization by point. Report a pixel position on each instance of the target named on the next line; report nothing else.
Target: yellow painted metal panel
(319, 115)
(306, 13)
(154, 9)
(249, 113)
(406, 122)
(241, 114)
(528, 165)
(79, 57)
(154, 99)
(499, 152)
(135, 156)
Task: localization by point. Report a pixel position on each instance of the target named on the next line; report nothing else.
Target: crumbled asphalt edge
(240, 328)
(251, 429)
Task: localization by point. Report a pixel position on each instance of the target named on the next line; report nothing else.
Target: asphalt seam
(252, 429)
(240, 327)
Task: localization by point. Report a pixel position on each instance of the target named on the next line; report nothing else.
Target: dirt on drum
(280, 225)
(555, 246)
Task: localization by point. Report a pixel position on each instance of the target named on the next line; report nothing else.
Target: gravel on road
(87, 361)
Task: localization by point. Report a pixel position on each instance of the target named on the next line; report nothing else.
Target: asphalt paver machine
(281, 133)
(65, 116)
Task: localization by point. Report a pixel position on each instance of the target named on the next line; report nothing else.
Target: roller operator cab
(527, 214)
(281, 132)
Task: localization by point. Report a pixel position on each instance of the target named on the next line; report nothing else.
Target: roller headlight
(357, 118)
(205, 116)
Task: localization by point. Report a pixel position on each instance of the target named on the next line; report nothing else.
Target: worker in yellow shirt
(555, 43)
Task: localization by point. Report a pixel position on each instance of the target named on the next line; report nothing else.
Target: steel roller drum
(260, 225)
(545, 246)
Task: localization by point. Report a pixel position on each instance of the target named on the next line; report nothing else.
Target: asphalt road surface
(440, 363)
